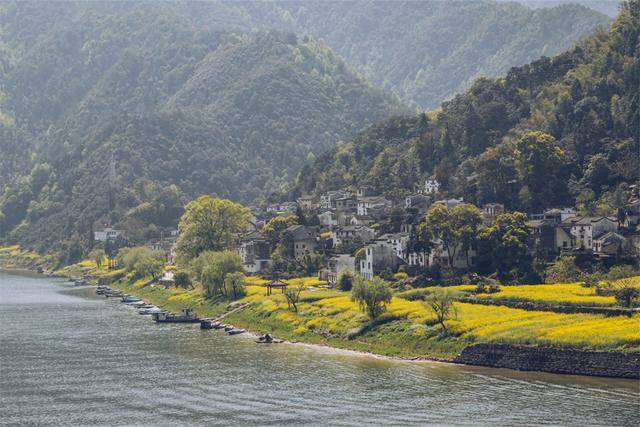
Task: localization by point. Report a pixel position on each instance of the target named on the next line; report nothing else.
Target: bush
(622, 272)
(563, 270)
(182, 279)
(627, 296)
(345, 282)
(371, 295)
(400, 276)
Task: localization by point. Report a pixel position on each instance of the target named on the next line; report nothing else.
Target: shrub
(400, 276)
(627, 296)
(371, 295)
(563, 270)
(345, 282)
(622, 272)
(182, 279)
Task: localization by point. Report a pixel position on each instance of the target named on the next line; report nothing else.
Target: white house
(254, 253)
(368, 204)
(337, 266)
(584, 230)
(327, 219)
(431, 186)
(107, 234)
(378, 256)
(351, 234)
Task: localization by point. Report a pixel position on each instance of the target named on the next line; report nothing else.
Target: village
(359, 232)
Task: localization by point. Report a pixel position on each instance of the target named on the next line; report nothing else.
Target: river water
(69, 357)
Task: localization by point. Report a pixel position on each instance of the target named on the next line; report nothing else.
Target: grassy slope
(329, 317)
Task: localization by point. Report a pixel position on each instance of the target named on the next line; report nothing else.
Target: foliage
(275, 227)
(441, 303)
(184, 99)
(182, 279)
(545, 135)
(563, 270)
(292, 294)
(454, 228)
(97, 256)
(621, 272)
(345, 282)
(503, 246)
(371, 295)
(211, 268)
(627, 296)
(209, 224)
(141, 261)
(234, 285)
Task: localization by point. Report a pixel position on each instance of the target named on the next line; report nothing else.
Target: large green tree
(211, 268)
(541, 164)
(454, 229)
(503, 245)
(209, 224)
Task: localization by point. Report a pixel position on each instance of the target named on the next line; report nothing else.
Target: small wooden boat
(209, 324)
(236, 331)
(228, 328)
(270, 342)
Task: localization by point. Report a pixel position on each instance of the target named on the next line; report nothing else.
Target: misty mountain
(556, 132)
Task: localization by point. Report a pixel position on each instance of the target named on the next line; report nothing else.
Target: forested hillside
(178, 99)
(179, 111)
(426, 51)
(552, 133)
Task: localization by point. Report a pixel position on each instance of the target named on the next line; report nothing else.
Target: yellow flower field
(477, 323)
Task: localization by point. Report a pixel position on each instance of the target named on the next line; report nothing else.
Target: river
(70, 357)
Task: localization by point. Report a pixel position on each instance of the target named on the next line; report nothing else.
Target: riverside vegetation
(407, 327)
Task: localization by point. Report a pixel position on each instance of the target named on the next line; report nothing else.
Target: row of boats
(163, 316)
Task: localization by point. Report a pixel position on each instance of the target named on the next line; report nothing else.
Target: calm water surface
(69, 357)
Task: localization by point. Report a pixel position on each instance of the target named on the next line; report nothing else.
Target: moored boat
(186, 316)
(235, 331)
(130, 299)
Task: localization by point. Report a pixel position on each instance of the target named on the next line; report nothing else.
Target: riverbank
(408, 330)
(328, 318)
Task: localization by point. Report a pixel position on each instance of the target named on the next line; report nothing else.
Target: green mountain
(555, 132)
(427, 51)
(178, 110)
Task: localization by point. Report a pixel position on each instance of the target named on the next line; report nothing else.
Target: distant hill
(427, 51)
(178, 109)
(479, 145)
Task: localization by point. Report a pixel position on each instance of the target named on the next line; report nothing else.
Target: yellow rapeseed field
(477, 323)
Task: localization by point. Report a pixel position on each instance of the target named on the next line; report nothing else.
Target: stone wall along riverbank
(555, 360)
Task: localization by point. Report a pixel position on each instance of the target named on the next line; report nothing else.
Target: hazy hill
(426, 51)
(585, 98)
(171, 103)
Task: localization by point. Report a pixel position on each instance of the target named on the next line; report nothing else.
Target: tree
(211, 268)
(345, 282)
(441, 302)
(371, 295)
(141, 261)
(234, 285)
(455, 229)
(540, 163)
(149, 265)
(209, 224)
(274, 229)
(627, 295)
(563, 270)
(503, 244)
(182, 279)
(97, 256)
(292, 294)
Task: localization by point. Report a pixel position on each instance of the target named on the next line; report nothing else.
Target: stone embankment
(556, 360)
